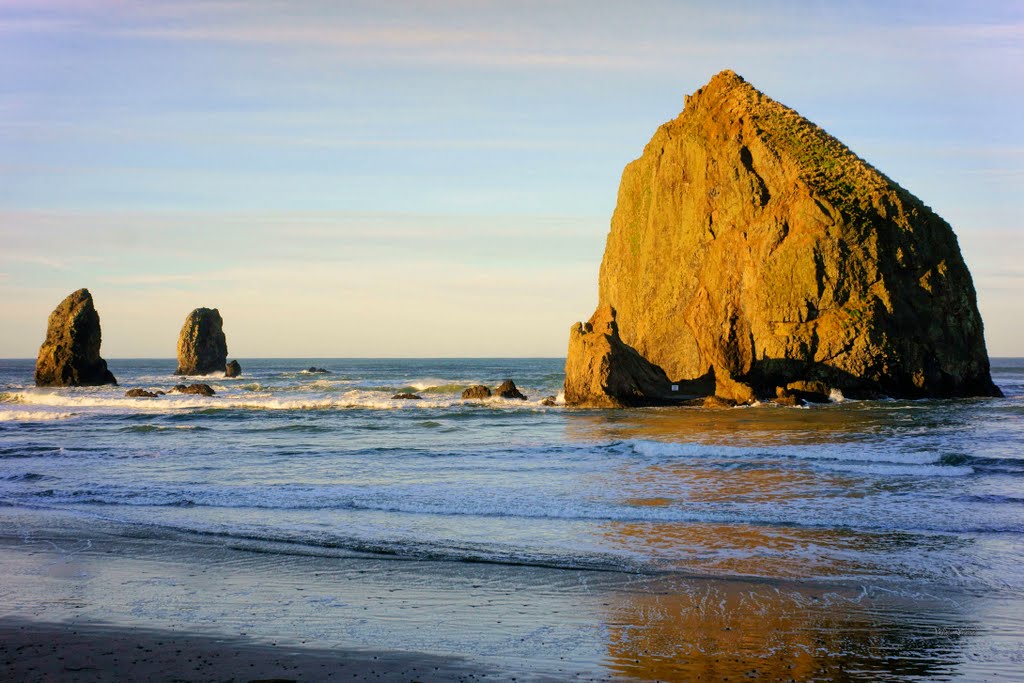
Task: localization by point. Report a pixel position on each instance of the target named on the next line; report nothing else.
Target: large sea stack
(202, 347)
(70, 356)
(750, 250)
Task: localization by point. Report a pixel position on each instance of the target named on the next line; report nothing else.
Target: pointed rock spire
(70, 355)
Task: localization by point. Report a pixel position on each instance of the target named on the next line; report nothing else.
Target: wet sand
(36, 651)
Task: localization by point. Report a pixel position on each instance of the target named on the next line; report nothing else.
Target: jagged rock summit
(70, 355)
(202, 346)
(750, 250)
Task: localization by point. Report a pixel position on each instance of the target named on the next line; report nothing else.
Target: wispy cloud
(158, 279)
(34, 259)
(18, 25)
(400, 44)
(382, 41)
(1011, 33)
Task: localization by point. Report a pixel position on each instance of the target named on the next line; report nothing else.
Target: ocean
(858, 540)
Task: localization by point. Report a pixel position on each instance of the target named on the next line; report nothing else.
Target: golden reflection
(747, 550)
(756, 426)
(772, 627)
(698, 630)
(681, 482)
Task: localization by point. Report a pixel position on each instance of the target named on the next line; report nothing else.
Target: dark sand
(34, 651)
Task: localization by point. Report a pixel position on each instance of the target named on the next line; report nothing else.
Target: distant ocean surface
(920, 494)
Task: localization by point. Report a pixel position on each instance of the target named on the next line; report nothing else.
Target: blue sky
(436, 178)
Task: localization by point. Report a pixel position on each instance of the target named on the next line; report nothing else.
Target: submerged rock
(233, 369)
(785, 397)
(740, 393)
(408, 397)
(312, 369)
(199, 389)
(718, 402)
(812, 392)
(508, 389)
(549, 401)
(202, 346)
(140, 393)
(751, 249)
(70, 354)
(477, 391)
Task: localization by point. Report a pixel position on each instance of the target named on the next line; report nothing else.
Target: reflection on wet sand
(696, 623)
(709, 549)
(691, 629)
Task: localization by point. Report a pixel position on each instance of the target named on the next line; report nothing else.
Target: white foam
(429, 383)
(836, 396)
(172, 402)
(15, 415)
(901, 470)
(669, 449)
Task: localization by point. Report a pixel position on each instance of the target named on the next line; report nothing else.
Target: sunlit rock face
(750, 247)
(70, 354)
(202, 346)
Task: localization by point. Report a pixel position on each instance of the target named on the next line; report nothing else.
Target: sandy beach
(89, 606)
(39, 651)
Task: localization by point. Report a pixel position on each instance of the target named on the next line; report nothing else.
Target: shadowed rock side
(750, 246)
(202, 347)
(70, 355)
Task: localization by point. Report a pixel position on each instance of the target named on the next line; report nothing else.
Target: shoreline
(83, 603)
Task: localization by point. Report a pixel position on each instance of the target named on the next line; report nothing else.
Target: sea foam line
(352, 399)
(503, 504)
(9, 415)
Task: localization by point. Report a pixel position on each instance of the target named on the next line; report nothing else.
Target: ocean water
(921, 500)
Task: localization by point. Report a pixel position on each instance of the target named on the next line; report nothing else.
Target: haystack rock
(70, 355)
(202, 347)
(750, 250)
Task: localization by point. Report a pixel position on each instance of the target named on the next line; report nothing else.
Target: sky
(424, 179)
